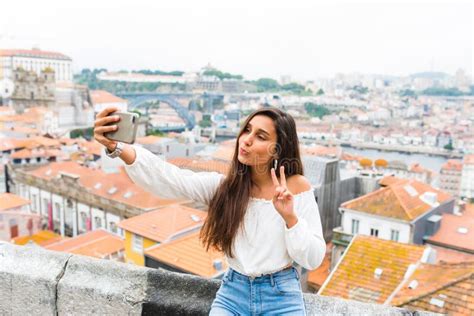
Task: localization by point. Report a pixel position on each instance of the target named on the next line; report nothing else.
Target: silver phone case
(127, 127)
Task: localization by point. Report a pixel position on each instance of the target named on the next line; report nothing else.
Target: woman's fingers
(106, 120)
(106, 112)
(274, 177)
(282, 176)
(105, 129)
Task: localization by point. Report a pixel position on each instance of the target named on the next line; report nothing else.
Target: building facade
(35, 60)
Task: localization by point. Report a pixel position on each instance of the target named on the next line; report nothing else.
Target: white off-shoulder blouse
(265, 244)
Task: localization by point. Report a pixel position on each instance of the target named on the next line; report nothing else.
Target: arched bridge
(143, 100)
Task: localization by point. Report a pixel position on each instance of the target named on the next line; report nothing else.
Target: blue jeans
(278, 293)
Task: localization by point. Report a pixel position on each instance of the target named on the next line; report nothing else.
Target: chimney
(378, 273)
(432, 225)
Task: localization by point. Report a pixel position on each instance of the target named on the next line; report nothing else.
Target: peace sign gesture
(282, 198)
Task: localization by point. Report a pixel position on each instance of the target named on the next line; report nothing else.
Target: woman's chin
(242, 160)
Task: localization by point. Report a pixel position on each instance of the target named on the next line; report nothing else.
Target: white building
(102, 99)
(35, 60)
(467, 177)
(399, 211)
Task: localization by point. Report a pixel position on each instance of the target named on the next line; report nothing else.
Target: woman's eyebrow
(264, 131)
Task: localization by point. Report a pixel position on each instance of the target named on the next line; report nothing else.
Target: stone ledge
(34, 281)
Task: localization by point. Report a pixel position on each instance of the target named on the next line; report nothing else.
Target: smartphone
(127, 127)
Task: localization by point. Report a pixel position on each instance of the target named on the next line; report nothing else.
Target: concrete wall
(34, 281)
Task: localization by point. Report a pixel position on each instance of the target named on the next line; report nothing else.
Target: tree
(449, 146)
(267, 84)
(316, 110)
(381, 163)
(320, 92)
(365, 162)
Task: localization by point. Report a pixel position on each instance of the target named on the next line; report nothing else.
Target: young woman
(263, 215)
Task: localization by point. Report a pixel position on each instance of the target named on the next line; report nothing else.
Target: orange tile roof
(456, 231)
(53, 169)
(468, 159)
(98, 243)
(445, 255)
(41, 238)
(114, 186)
(317, 277)
(452, 164)
(188, 254)
(33, 53)
(451, 284)
(199, 164)
(164, 224)
(10, 201)
(119, 187)
(35, 153)
(417, 168)
(12, 143)
(354, 276)
(102, 96)
(401, 199)
(91, 147)
(22, 129)
(388, 180)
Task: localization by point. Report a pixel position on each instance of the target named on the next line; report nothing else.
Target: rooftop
(371, 269)
(98, 243)
(188, 254)
(35, 53)
(456, 231)
(164, 224)
(400, 198)
(102, 96)
(9, 201)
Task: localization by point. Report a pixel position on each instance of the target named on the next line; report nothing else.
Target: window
(355, 226)
(137, 243)
(57, 211)
(83, 221)
(394, 234)
(35, 207)
(374, 232)
(98, 222)
(113, 227)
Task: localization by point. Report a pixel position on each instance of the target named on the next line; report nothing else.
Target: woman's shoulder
(298, 184)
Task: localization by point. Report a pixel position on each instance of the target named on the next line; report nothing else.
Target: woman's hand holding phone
(101, 126)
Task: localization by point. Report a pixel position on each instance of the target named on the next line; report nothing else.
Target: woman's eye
(261, 137)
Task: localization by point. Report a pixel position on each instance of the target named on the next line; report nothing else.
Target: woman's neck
(261, 178)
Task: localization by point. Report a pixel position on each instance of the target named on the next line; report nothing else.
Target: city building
(455, 232)
(450, 177)
(40, 238)
(371, 269)
(32, 89)
(467, 178)
(73, 199)
(401, 210)
(102, 99)
(158, 227)
(187, 255)
(98, 244)
(35, 60)
(442, 288)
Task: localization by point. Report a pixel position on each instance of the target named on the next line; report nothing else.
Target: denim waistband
(287, 272)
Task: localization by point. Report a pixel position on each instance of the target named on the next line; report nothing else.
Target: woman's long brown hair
(228, 205)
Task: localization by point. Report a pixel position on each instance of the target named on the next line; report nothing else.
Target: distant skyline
(302, 39)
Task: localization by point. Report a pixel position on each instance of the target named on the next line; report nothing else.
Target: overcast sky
(255, 38)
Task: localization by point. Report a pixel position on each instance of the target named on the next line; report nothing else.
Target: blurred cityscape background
(383, 99)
